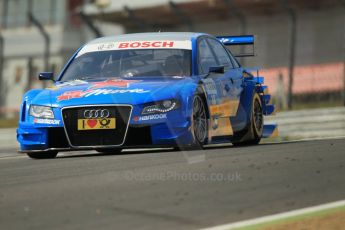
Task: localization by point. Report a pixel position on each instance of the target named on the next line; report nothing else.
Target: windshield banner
(126, 45)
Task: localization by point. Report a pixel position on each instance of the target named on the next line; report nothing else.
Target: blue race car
(182, 90)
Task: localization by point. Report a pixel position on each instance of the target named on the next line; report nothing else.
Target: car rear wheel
(43, 155)
(252, 135)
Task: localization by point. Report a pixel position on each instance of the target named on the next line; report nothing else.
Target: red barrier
(7, 110)
(308, 79)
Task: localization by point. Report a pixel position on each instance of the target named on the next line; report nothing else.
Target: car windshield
(129, 64)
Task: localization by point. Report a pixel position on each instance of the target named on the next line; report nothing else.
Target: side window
(205, 57)
(221, 54)
(234, 61)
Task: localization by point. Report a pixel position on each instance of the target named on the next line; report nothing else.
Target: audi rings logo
(96, 113)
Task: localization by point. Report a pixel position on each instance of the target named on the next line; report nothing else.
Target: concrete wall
(320, 36)
(320, 48)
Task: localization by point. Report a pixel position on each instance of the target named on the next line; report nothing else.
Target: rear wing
(243, 40)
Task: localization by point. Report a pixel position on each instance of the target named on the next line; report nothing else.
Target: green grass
(293, 219)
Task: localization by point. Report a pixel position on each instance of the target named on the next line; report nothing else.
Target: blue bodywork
(230, 88)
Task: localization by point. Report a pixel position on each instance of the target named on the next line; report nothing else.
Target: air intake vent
(23, 115)
(100, 137)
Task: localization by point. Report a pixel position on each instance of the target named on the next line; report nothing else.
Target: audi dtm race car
(181, 90)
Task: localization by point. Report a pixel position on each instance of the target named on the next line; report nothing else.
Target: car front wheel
(199, 121)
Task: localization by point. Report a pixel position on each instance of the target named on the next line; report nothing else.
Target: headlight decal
(161, 107)
(39, 111)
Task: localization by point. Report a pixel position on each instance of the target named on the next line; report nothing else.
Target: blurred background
(300, 44)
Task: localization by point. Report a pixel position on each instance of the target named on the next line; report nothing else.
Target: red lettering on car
(123, 45)
(168, 44)
(135, 44)
(145, 44)
(70, 95)
(156, 44)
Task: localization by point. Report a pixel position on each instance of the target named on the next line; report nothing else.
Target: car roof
(176, 36)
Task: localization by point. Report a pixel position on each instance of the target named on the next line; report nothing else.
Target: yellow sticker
(93, 124)
(225, 109)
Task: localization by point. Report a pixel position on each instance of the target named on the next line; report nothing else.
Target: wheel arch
(244, 113)
(200, 90)
(186, 96)
(247, 99)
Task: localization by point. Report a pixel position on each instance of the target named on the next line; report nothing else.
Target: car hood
(112, 91)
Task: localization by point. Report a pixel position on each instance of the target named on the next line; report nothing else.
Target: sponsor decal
(101, 123)
(68, 83)
(150, 117)
(106, 46)
(120, 83)
(72, 83)
(225, 109)
(226, 40)
(221, 126)
(95, 92)
(46, 121)
(146, 44)
(211, 90)
(215, 123)
(210, 86)
(152, 44)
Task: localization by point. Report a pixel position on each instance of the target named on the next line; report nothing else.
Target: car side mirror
(216, 69)
(46, 76)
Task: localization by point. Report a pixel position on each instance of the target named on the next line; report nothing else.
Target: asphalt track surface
(164, 190)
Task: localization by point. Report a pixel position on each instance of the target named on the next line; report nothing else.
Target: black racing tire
(253, 133)
(109, 151)
(199, 122)
(42, 155)
(199, 125)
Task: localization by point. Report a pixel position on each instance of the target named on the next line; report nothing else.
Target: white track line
(265, 219)
(12, 157)
(305, 139)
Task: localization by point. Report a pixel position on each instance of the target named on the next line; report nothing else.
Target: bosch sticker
(152, 44)
(158, 44)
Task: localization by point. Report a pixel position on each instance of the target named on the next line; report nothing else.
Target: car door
(221, 87)
(232, 79)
